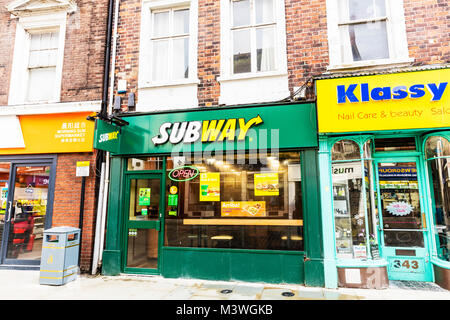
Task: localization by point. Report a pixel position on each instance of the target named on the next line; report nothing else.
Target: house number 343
(406, 264)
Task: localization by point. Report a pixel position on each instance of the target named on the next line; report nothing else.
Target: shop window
(246, 201)
(345, 150)
(4, 177)
(400, 204)
(437, 151)
(395, 144)
(145, 163)
(353, 200)
(437, 147)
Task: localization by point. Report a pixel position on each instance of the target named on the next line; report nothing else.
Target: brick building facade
(307, 43)
(52, 67)
(194, 55)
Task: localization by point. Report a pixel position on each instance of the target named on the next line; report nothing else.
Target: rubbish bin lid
(61, 230)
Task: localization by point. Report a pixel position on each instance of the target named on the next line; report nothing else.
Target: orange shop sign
(55, 133)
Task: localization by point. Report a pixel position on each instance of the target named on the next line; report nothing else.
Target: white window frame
(396, 33)
(19, 73)
(145, 49)
(226, 45)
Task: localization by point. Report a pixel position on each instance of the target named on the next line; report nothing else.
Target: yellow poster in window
(243, 209)
(210, 186)
(266, 184)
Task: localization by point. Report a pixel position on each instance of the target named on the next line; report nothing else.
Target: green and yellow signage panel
(236, 128)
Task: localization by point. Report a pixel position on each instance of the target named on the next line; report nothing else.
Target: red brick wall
(66, 205)
(428, 30)
(7, 32)
(306, 40)
(307, 43)
(127, 50)
(83, 54)
(208, 57)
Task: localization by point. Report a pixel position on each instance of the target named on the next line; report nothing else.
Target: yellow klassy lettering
(211, 129)
(244, 127)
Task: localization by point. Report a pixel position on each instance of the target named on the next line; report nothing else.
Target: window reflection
(246, 203)
(440, 176)
(345, 150)
(354, 204)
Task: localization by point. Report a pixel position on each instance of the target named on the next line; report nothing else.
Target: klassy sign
(409, 100)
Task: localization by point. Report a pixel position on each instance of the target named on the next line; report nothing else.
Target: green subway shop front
(225, 193)
(384, 159)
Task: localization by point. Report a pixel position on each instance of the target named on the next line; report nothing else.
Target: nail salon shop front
(384, 157)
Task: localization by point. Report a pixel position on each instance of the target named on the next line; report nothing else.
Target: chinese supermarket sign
(409, 100)
(55, 133)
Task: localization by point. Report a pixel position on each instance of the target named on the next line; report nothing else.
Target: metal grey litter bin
(59, 259)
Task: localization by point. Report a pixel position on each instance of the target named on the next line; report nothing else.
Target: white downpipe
(104, 210)
(98, 222)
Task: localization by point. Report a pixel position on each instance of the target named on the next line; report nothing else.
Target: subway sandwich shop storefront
(384, 157)
(217, 193)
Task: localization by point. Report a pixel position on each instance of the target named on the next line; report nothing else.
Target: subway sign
(405, 100)
(206, 131)
(213, 129)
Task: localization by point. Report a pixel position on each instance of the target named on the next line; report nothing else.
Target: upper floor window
(36, 73)
(363, 30)
(42, 63)
(253, 31)
(366, 32)
(170, 44)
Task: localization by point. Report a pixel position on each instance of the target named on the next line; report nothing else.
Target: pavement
(24, 285)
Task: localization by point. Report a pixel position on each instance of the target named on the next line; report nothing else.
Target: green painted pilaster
(112, 254)
(324, 174)
(314, 267)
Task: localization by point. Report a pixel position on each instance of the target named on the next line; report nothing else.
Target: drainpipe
(104, 177)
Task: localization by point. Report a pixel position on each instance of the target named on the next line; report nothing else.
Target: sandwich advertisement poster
(266, 184)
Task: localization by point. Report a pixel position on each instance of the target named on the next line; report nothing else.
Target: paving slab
(24, 285)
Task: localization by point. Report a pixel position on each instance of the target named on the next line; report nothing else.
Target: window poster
(173, 200)
(266, 184)
(210, 186)
(144, 196)
(243, 209)
(359, 252)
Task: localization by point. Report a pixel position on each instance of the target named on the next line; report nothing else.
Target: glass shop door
(144, 201)
(402, 216)
(24, 213)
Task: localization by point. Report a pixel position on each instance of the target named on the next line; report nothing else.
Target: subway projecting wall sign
(206, 130)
